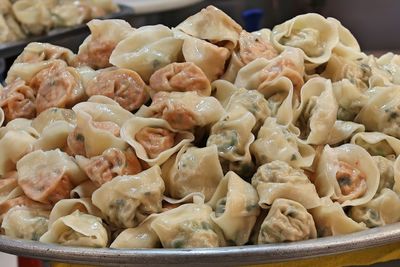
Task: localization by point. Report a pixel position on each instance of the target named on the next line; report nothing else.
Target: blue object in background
(252, 19)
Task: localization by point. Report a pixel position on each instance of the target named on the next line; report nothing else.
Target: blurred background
(374, 23)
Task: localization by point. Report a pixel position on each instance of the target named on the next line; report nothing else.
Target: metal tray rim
(223, 256)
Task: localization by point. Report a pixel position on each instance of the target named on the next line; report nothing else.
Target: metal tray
(225, 256)
(56, 35)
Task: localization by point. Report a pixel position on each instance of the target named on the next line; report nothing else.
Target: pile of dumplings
(22, 18)
(202, 135)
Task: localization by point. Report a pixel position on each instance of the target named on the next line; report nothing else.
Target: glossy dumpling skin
(278, 179)
(235, 208)
(96, 50)
(231, 97)
(20, 124)
(48, 177)
(208, 57)
(232, 135)
(356, 71)
(52, 115)
(54, 83)
(123, 85)
(13, 146)
(349, 98)
(113, 162)
(154, 140)
(386, 167)
(262, 74)
(183, 110)
(37, 52)
(213, 25)
(127, 200)
(279, 142)
(188, 226)
(146, 50)
(390, 64)
(342, 131)
(17, 100)
(347, 174)
(312, 33)
(316, 115)
(250, 47)
(255, 45)
(66, 207)
(99, 122)
(377, 144)
(331, 220)
(25, 222)
(383, 209)
(287, 220)
(180, 77)
(142, 236)
(83, 190)
(191, 170)
(380, 113)
(348, 45)
(77, 229)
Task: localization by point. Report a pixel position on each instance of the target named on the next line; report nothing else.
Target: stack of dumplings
(202, 135)
(22, 18)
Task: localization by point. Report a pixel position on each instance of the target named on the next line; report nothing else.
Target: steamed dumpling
(127, 200)
(382, 210)
(154, 140)
(331, 220)
(125, 86)
(191, 170)
(347, 174)
(183, 110)
(77, 229)
(279, 142)
(278, 179)
(312, 33)
(287, 220)
(146, 50)
(188, 226)
(26, 223)
(180, 77)
(48, 177)
(213, 25)
(96, 50)
(235, 208)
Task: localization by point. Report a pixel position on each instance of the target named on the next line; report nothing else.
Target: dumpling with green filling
(383, 209)
(312, 33)
(281, 142)
(191, 170)
(278, 179)
(286, 221)
(127, 200)
(188, 226)
(232, 135)
(25, 222)
(235, 205)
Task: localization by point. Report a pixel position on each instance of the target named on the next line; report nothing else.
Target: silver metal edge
(252, 254)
